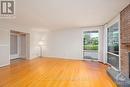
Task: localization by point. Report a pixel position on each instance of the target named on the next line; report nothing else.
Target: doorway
(90, 44)
(19, 46)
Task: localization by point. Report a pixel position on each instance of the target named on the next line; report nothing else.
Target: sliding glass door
(90, 44)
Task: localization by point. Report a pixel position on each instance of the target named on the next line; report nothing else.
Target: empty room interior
(64, 43)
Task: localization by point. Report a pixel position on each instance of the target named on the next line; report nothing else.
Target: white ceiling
(59, 14)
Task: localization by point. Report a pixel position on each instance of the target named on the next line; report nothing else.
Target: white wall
(68, 43)
(65, 44)
(35, 37)
(4, 47)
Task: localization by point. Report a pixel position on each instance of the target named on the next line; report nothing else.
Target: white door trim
(98, 40)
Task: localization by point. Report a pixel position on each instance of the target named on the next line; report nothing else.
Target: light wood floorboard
(49, 72)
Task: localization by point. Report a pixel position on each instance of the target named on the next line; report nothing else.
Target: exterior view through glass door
(90, 44)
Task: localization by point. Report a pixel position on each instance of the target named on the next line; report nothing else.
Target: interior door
(90, 44)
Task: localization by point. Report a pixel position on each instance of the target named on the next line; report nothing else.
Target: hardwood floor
(48, 72)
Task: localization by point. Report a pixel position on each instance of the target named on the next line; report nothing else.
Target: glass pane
(90, 45)
(113, 60)
(113, 39)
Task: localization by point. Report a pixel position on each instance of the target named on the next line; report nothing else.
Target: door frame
(27, 42)
(100, 39)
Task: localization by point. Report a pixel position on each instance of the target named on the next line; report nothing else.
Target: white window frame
(117, 21)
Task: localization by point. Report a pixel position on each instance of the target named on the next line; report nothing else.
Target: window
(113, 45)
